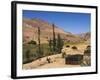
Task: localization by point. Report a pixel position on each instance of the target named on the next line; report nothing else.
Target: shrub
(67, 46)
(32, 42)
(74, 47)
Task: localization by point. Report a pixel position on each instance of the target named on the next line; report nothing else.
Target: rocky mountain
(30, 32)
(85, 36)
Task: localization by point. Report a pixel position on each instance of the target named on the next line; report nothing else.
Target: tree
(50, 44)
(39, 48)
(54, 39)
(59, 43)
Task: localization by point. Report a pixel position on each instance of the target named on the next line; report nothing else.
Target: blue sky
(70, 22)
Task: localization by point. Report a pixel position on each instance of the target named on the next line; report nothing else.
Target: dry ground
(56, 60)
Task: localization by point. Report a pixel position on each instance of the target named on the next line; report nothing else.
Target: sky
(68, 21)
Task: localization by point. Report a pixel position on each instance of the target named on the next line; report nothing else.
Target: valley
(42, 40)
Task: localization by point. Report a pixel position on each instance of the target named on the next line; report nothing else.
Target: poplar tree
(54, 39)
(59, 43)
(50, 44)
(39, 47)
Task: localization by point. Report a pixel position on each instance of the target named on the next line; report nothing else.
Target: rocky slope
(30, 32)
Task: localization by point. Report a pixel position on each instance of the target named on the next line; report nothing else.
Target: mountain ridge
(30, 31)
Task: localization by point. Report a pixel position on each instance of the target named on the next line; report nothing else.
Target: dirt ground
(56, 60)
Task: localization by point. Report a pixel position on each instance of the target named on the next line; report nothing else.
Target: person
(48, 60)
